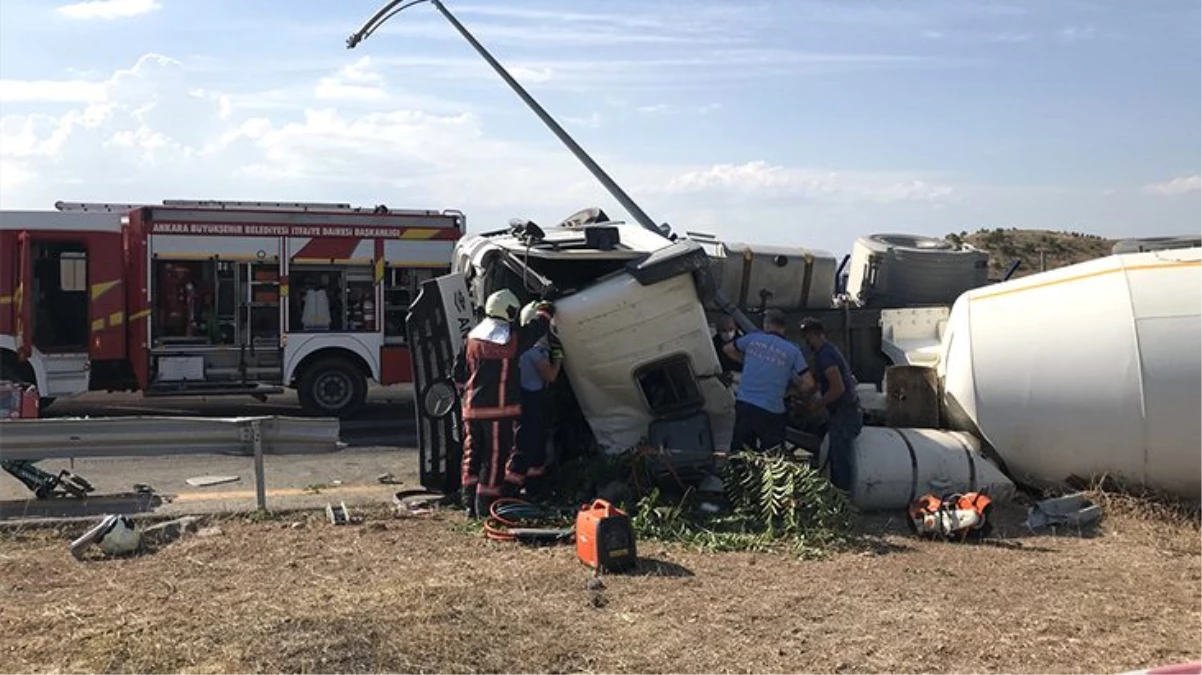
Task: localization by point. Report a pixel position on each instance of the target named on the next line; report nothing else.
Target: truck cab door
(23, 298)
(438, 322)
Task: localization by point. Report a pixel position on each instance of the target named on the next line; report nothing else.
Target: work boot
(467, 499)
(483, 505)
(536, 490)
(510, 490)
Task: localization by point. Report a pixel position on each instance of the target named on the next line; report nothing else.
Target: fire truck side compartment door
(24, 296)
(438, 323)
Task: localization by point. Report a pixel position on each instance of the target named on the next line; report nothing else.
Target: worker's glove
(545, 307)
(556, 346)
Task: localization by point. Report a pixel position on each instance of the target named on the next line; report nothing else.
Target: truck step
(211, 389)
(253, 370)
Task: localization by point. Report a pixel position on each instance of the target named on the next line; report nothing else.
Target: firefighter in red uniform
(491, 406)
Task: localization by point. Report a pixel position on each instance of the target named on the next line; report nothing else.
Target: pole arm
(608, 183)
(614, 189)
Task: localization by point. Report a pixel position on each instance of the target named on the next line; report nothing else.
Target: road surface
(381, 440)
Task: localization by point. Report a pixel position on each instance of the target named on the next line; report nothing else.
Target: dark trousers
(488, 452)
(531, 457)
(844, 425)
(757, 428)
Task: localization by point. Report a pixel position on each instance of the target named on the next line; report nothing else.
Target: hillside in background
(1057, 249)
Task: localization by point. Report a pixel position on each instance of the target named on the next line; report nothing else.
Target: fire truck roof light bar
(96, 206)
(301, 207)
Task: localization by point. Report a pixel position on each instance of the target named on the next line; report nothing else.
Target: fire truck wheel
(13, 370)
(332, 388)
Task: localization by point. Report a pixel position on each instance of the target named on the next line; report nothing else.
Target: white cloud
(149, 134)
(762, 179)
(355, 82)
(1178, 186)
(665, 108)
(1010, 38)
(50, 91)
(1075, 33)
(592, 121)
(108, 9)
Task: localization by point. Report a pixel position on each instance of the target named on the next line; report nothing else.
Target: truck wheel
(332, 388)
(14, 371)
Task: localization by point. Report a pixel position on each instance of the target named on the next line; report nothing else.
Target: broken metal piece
(207, 481)
(44, 484)
(338, 515)
(1074, 510)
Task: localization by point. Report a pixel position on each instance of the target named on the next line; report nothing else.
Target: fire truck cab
(217, 298)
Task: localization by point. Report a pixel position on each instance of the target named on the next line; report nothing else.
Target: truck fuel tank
(779, 277)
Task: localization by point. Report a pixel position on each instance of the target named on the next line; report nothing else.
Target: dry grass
(419, 595)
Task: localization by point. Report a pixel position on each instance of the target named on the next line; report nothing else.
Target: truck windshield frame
(669, 386)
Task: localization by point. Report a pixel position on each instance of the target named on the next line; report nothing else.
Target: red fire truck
(214, 298)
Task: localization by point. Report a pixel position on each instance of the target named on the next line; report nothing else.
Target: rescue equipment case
(605, 537)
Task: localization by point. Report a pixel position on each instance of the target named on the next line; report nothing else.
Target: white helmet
(502, 305)
(529, 312)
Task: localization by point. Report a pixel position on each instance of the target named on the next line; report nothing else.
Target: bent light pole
(396, 6)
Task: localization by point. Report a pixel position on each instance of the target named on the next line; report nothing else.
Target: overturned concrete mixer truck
(1070, 374)
(632, 312)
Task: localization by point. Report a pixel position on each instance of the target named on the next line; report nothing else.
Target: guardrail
(63, 438)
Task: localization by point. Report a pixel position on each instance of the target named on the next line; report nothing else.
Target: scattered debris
(143, 489)
(411, 503)
(596, 598)
(338, 515)
(45, 485)
(388, 479)
(165, 532)
(335, 483)
(212, 531)
(208, 481)
(1074, 510)
(298, 525)
(115, 535)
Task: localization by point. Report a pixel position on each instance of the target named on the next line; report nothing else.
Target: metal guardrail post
(260, 481)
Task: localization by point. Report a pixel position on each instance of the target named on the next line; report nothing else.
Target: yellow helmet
(503, 305)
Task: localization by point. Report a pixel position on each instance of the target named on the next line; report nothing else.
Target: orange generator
(605, 537)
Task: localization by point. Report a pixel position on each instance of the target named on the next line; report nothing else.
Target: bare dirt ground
(425, 595)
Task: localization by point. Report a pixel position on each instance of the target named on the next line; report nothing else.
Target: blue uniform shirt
(769, 362)
(827, 356)
(531, 380)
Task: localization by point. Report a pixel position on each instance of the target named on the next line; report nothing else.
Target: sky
(790, 122)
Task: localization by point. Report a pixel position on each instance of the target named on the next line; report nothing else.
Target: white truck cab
(640, 364)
